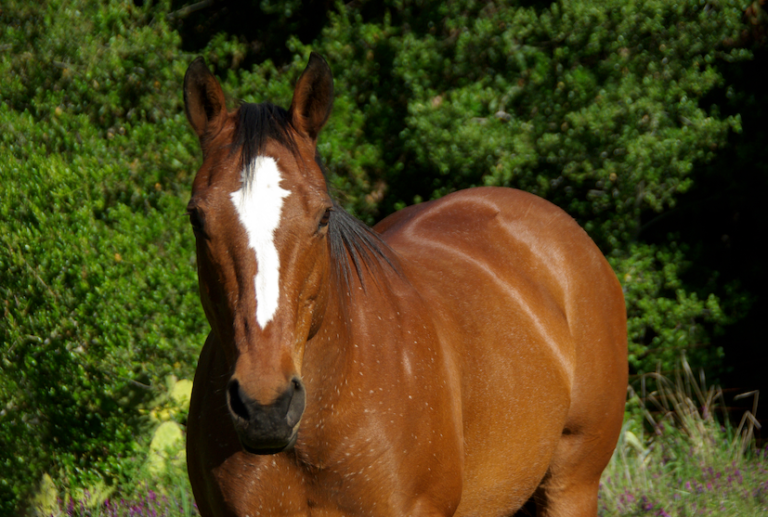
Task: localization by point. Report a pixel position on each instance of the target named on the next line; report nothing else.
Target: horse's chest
(255, 486)
(361, 451)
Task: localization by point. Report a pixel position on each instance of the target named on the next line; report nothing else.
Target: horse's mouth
(266, 428)
(266, 450)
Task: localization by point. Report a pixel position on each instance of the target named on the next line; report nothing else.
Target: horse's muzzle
(267, 428)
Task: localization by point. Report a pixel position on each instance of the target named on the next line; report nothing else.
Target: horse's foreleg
(569, 489)
(577, 498)
(425, 507)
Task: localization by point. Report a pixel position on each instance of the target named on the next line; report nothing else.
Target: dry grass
(675, 458)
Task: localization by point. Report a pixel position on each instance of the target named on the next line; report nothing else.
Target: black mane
(351, 240)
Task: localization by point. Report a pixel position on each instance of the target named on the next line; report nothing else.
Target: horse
(466, 356)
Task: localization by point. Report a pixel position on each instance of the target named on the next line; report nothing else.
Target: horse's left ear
(312, 97)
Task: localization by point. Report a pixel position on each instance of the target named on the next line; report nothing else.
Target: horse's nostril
(236, 403)
(296, 403)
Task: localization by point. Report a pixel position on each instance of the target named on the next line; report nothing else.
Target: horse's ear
(312, 97)
(204, 101)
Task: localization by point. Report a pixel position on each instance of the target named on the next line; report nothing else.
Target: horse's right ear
(204, 101)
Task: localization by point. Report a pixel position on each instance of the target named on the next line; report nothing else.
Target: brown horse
(463, 357)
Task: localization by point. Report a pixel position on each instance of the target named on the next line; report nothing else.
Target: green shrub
(97, 272)
(596, 106)
(664, 319)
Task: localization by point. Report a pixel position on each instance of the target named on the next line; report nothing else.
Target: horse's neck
(332, 349)
(370, 352)
(361, 326)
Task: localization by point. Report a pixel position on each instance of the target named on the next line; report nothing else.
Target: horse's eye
(196, 219)
(326, 217)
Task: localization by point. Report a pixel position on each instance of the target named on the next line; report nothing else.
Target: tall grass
(169, 495)
(675, 458)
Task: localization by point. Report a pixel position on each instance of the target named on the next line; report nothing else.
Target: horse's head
(260, 212)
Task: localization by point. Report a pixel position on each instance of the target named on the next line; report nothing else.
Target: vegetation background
(643, 119)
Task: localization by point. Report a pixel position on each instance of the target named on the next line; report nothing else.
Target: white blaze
(259, 204)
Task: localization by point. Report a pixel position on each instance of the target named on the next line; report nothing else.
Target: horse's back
(534, 318)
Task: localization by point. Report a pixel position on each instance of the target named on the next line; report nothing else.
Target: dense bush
(97, 275)
(597, 106)
(593, 105)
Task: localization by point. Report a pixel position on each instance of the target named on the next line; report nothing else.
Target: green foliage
(663, 319)
(596, 106)
(96, 262)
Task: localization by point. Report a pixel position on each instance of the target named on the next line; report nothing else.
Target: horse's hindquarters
(535, 318)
